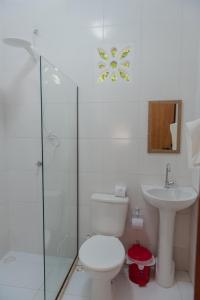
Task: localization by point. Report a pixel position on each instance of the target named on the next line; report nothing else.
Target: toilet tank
(109, 214)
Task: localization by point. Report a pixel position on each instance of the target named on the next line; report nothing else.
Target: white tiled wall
(21, 101)
(4, 208)
(113, 117)
(23, 150)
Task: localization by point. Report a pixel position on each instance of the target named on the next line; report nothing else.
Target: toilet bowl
(103, 254)
(103, 257)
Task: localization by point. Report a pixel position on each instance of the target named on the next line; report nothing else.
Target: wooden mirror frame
(150, 150)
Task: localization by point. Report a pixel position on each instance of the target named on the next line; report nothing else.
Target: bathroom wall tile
(188, 64)
(150, 179)
(91, 155)
(2, 155)
(190, 12)
(155, 10)
(156, 164)
(85, 222)
(57, 93)
(183, 224)
(60, 155)
(23, 121)
(91, 113)
(26, 186)
(60, 120)
(114, 12)
(181, 257)
(151, 226)
(182, 166)
(117, 154)
(25, 227)
(188, 82)
(123, 35)
(181, 276)
(56, 179)
(22, 76)
(120, 120)
(23, 153)
(150, 163)
(143, 119)
(2, 118)
(121, 91)
(79, 14)
(4, 227)
(89, 183)
(161, 50)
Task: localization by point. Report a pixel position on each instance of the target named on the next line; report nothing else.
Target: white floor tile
(122, 288)
(56, 276)
(72, 297)
(13, 293)
(154, 291)
(40, 296)
(21, 274)
(79, 288)
(79, 284)
(24, 256)
(186, 290)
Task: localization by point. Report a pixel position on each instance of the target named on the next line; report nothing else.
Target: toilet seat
(102, 253)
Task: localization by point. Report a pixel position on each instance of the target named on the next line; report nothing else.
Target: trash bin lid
(139, 253)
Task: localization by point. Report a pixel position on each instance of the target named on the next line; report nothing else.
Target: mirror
(164, 126)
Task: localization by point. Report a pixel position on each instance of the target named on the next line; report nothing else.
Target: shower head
(20, 43)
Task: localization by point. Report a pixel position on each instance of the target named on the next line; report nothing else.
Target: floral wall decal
(113, 64)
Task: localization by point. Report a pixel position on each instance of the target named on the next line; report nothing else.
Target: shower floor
(21, 275)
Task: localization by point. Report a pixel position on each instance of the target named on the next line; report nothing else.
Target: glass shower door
(59, 140)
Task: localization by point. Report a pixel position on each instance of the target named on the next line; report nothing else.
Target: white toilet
(103, 254)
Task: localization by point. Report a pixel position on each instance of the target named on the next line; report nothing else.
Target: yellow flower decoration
(114, 65)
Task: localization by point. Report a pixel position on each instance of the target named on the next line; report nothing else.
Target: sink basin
(168, 201)
(169, 198)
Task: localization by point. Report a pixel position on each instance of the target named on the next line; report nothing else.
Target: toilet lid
(102, 253)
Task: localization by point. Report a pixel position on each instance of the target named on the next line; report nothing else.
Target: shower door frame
(77, 180)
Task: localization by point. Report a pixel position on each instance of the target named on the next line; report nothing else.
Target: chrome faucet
(168, 183)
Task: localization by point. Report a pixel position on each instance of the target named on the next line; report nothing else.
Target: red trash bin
(140, 259)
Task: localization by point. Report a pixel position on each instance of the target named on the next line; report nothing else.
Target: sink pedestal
(165, 264)
(168, 201)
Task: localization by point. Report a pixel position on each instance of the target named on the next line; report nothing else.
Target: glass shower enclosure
(38, 182)
(59, 96)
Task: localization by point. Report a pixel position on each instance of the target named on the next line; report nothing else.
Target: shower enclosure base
(21, 275)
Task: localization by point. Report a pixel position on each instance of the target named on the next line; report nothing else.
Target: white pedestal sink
(168, 201)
